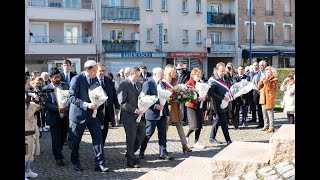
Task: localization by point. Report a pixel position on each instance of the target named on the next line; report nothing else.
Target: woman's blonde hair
(195, 71)
(273, 70)
(168, 70)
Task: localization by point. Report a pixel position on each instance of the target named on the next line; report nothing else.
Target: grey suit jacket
(79, 88)
(128, 100)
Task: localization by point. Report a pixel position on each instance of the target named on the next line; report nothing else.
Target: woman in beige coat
(174, 107)
(31, 132)
(288, 103)
(268, 88)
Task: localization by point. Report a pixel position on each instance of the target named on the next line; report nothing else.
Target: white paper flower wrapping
(202, 89)
(98, 97)
(62, 98)
(145, 102)
(163, 95)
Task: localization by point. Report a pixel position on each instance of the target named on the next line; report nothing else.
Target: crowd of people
(67, 124)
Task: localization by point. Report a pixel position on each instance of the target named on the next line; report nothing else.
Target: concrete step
(282, 144)
(239, 158)
(195, 168)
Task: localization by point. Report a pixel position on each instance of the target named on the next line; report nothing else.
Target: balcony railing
(253, 11)
(65, 40)
(221, 18)
(223, 46)
(268, 41)
(120, 13)
(287, 14)
(269, 12)
(46, 3)
(122, 46)
(248, 40)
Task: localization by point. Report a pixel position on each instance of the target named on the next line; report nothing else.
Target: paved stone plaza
(46, 167)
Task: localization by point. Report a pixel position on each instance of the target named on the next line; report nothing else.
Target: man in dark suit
(129, 91)
(144, 74)
(67, 75)
(217, 94)
(107, 108)
(58, 125)
(152, 115)
(80, 116)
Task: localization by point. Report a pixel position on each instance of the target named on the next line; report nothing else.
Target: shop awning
(259, 53)
(287, 53)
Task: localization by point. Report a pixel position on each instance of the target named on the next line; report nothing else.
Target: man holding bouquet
(81, 116)
(58, 124)
(129, 91)
(153, 118)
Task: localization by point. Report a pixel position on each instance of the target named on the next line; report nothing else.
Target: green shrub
(282, 74)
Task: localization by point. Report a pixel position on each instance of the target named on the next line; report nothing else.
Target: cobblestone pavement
(46, 167)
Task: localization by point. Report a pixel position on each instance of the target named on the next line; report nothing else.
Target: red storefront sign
(187, 54)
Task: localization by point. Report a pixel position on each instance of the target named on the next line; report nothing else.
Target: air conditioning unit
(135, 36)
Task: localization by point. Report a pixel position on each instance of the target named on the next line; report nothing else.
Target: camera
(41, 93)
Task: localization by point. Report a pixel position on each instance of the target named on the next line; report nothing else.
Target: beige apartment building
(273, 32)
(57, 29)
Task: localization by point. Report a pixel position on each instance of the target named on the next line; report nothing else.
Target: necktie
(90, 81)
(102, 83)
(67, 78)
(135, 86)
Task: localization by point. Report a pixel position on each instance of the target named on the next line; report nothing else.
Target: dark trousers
(185, 117)
(290, 118)
(244, 112)
(135, 134)
(260, 115)
(77, 130)
(40, 118)
(220, 119)
(162, 135)
(58, 135)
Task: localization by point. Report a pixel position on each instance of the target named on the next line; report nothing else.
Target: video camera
(41, 93)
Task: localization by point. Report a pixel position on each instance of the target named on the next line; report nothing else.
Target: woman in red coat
(194, 112)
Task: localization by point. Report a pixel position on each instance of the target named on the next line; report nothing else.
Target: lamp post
(250, 38)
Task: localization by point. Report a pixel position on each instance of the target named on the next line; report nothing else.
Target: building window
(72, 4)
(149, 34)
(163, 5)
(248, 7)
(115, 2)
(269, 8)
(252, 32)
(73, 33)
(198, 36)
(148, 4)
(287, 8)
(287, 34)
(269, 34)
(284, 62)
(215, 37)
(165, 35)
(215, 8)
(185, 36)
(184, 6)
(198, 6)
(116, 35)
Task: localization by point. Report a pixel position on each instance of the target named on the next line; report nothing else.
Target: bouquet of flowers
(62, 98)
(242, 87)
(145, 102)
(163, 96)
(97, 96)
(183, 94)
(202, 89)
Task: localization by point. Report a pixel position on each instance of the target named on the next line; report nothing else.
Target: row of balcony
(221, 18)
(269, 12)
(60, 4)
(62, 40)
(271, 41)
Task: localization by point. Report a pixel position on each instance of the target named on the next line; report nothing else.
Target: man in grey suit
(153, 118)
(58, 125)
(129, 91)
(80, 116)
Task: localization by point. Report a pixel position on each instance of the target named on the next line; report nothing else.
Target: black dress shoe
(132, 165)
(141, 156)
(229, 142)
(136, 161)
(102, 168)
(77, 167)
(60, 162)
(166, 157)
(212, 140)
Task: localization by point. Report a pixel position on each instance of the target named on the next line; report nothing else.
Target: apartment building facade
(272, 32)
(58, 29)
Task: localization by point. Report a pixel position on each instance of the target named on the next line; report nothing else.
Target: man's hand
(139, 111)
(201, 99)
(117, 111)
(168, 118)
(92, 106)
(61, 110)
(158, 106)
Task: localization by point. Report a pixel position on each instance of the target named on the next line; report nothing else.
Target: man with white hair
(45, 77)
(152, 115)
(126, 72)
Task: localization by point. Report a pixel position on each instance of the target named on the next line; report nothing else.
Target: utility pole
(250, 39)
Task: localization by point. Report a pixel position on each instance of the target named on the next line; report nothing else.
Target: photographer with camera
(58, 124)
(32, 145)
